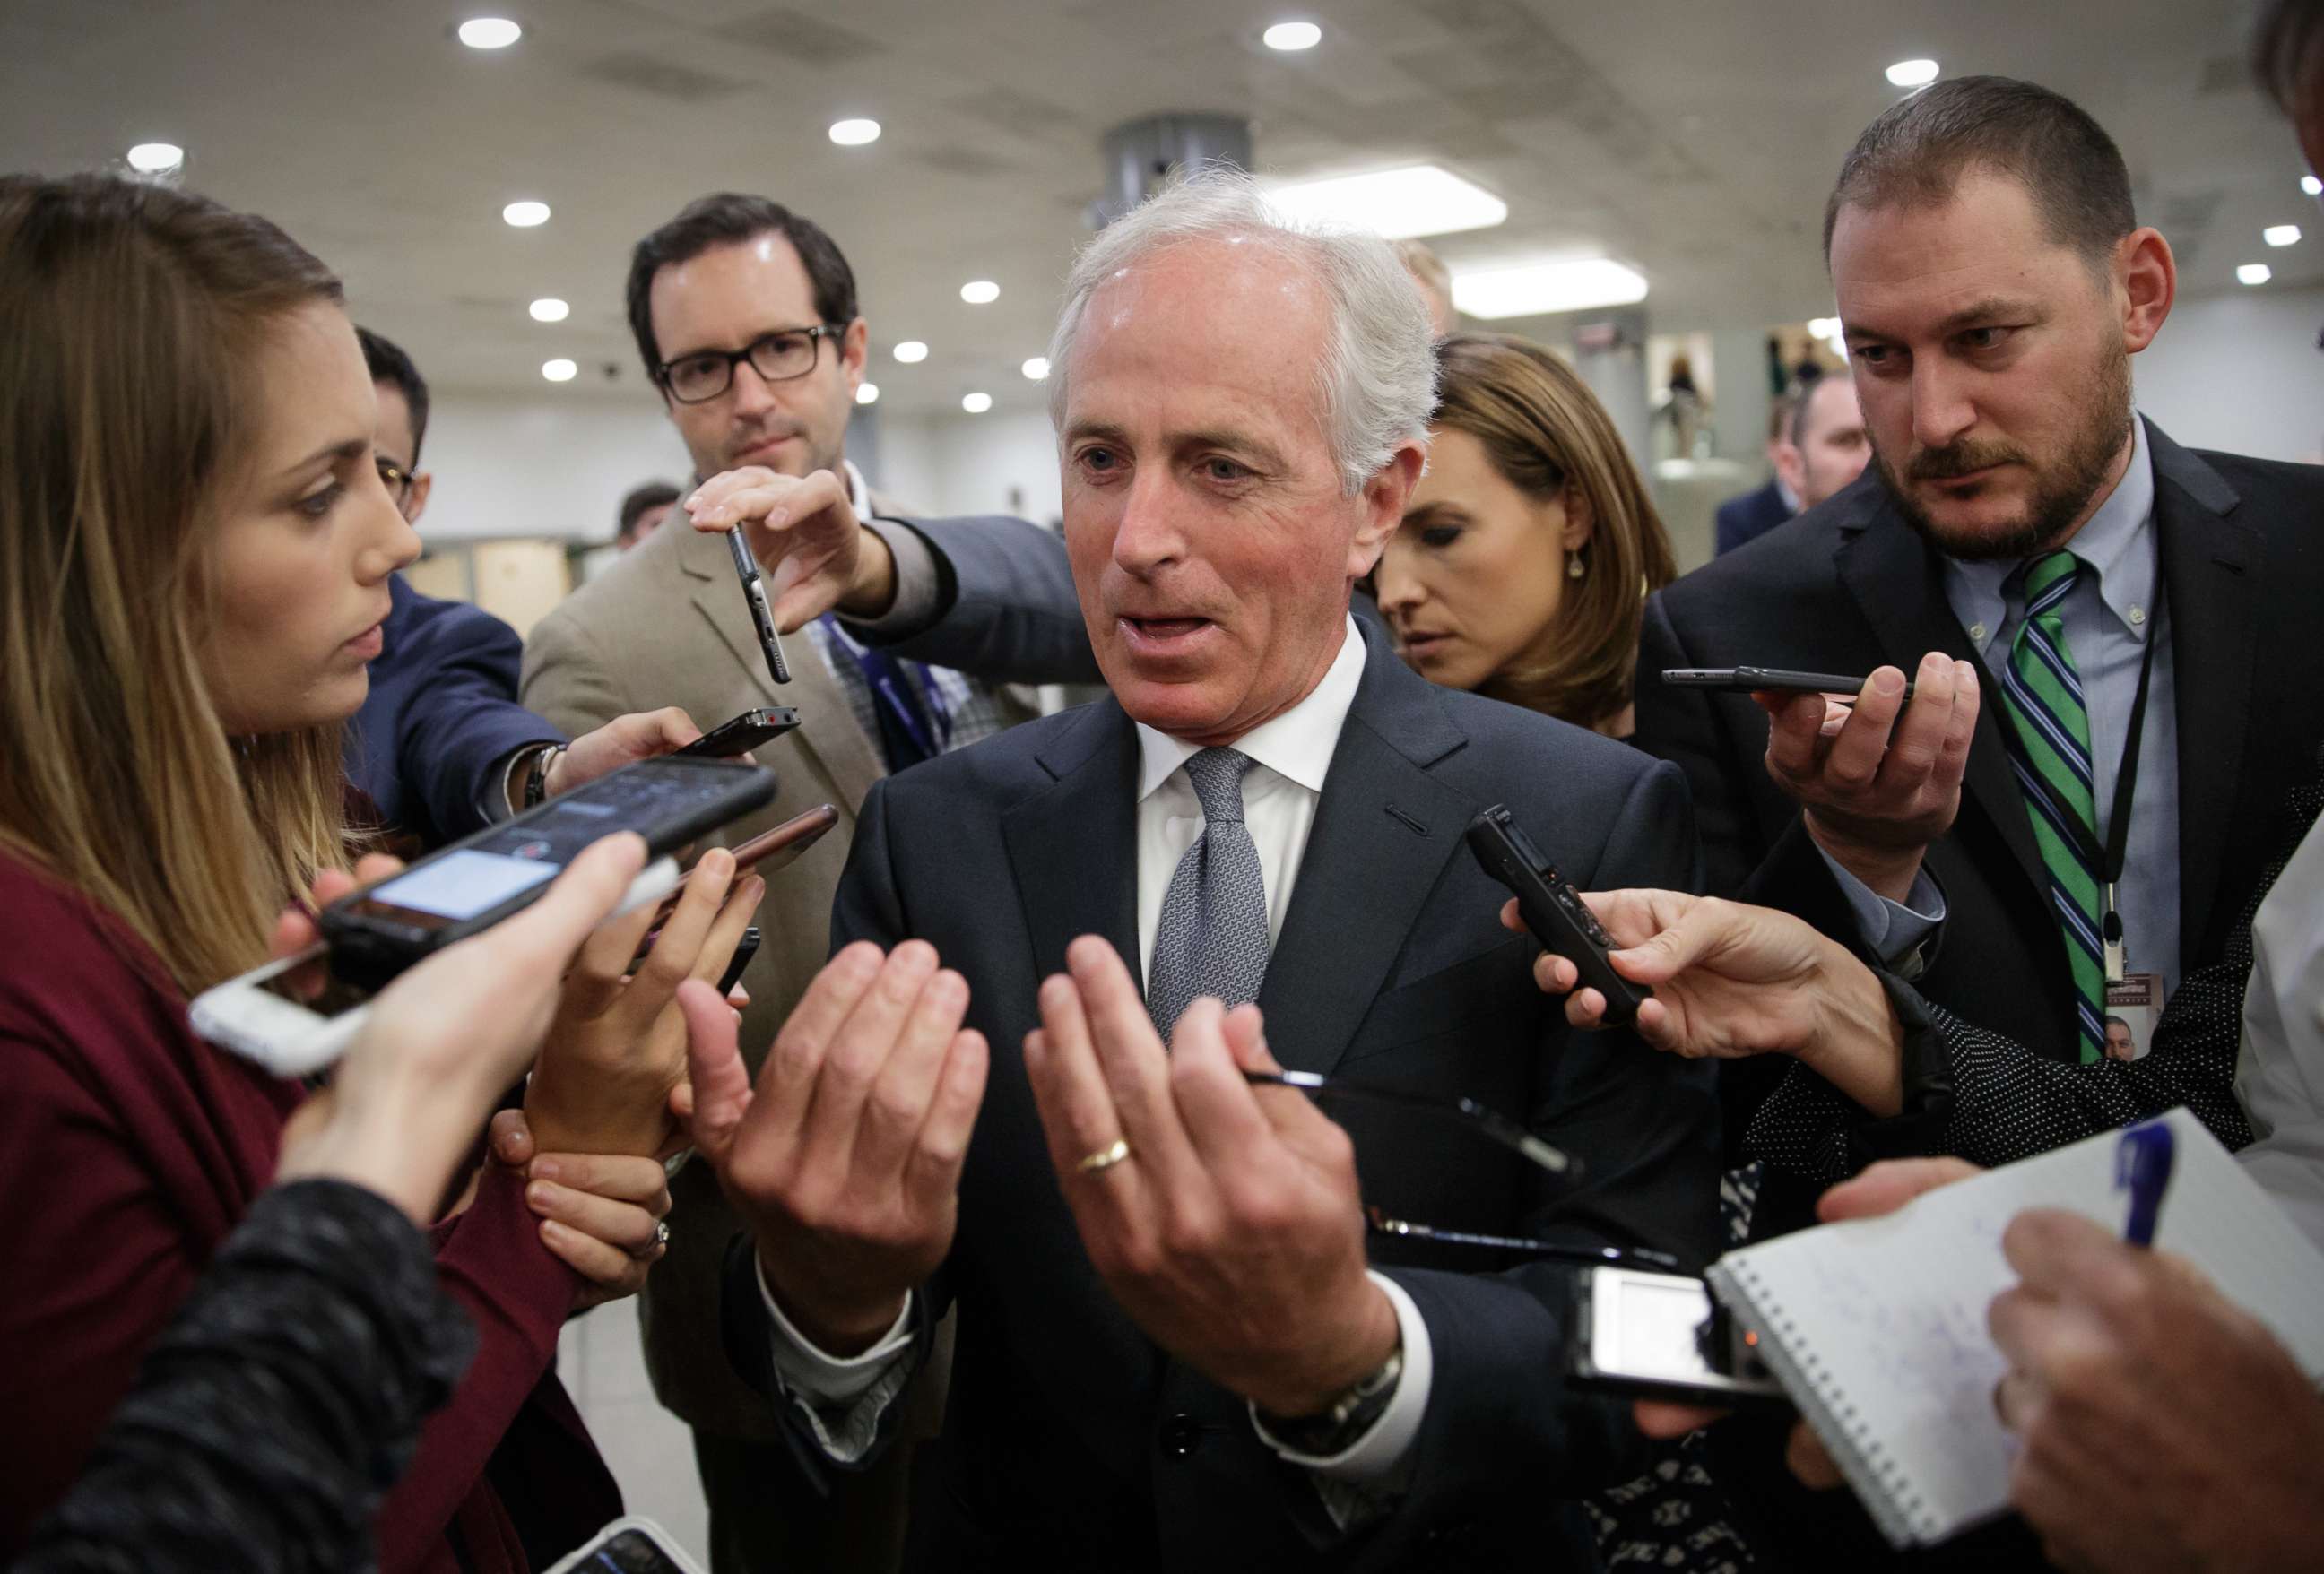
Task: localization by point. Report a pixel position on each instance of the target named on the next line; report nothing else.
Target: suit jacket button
(1180, 1434)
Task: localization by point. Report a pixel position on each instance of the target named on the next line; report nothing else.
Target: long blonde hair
(130, 319)
(1548, 435)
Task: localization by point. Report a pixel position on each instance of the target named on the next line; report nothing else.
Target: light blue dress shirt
(2110, 617)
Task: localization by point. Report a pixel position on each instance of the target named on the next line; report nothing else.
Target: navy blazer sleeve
(442, 717)
(1005, 609)
(1645, 1127)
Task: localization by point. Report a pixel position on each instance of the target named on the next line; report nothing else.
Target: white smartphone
(295, 1017)
(1661, 1336)
(630, 1545)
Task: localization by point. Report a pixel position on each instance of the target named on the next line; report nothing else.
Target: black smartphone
(744, 950)
(1663, 1336)
(1775, 680)
(629, 1545)
(743, 733)
(1553, 909)
(376, 932)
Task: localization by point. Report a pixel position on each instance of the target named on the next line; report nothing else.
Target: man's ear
(854, 347)
(1385, 497)
(2148, 277)
(1791, 468)
(417, 503)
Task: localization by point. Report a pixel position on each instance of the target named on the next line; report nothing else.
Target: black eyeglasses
(779, 357)
(1490, 1124)
(395, 478)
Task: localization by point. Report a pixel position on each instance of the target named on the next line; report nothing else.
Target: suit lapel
(2211, 569)
(1383, 829)
(1898, 586)
(1074, 847)
(827, 728)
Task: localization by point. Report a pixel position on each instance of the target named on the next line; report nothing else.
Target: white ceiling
(1693, 139)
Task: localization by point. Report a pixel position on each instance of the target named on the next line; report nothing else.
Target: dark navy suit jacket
(1751, 516)
(1067, 1429)
(442, 719)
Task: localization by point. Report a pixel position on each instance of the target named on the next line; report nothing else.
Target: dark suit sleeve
(1732, 528)
(1645, 1127)
(463, 721)
(866, 906)
(1005, 610)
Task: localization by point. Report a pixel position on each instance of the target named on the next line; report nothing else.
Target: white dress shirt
(2280, 1076)
(1292, 753)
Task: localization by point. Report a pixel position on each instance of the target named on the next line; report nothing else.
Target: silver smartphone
(1662, 1336)
(631, 1545)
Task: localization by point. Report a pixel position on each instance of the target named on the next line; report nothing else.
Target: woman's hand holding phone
(617, 1048)
(447, 1038)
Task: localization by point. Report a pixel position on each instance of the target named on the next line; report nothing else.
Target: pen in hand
(754, 590)
(2142, 1165)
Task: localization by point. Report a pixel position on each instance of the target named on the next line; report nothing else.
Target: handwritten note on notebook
(1876, 1326)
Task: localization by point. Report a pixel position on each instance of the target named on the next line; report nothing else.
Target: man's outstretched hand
(816, 554)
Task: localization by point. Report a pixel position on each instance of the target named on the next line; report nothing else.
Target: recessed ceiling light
(2311, 185)
(1292, 36)
(156, 158)
(867, 394)
(2280, 234)
(1037, 368)
(559, 370)
(525, 215)
(1531, 289)
(1912, 73)
(910, 351)
(854, 133)
(1419, 199)
(976, 403)
(1823, 327)
(489, 32)
(2255, 273)
(980, 292)
(548, 309)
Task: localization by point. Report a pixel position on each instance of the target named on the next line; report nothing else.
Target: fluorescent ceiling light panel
(1420, 199)
(911, 350)
(156, 158)
(526, 215)
(2255, 273)
(1912, 73)
(2280, 234)
(976, 403)
(559, 370)
(1531, 289)
(1289, 37)
(867, 394)
(548, 309)
(2311, 185)
(489, 32)
(854, 133)
(1037, 368)
(980, 292)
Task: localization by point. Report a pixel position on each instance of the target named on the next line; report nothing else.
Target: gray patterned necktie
(1212, 939)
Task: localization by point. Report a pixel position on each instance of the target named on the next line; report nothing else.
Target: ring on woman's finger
(661, 1239)
(1104, 1158)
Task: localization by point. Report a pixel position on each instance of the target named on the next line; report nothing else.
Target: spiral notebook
(1876, 1326)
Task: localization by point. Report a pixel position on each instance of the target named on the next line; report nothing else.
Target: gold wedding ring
(1106, 1157)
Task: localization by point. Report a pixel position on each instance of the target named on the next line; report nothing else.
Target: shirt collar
(2117, 541)
(1298, 745)
(859, 491)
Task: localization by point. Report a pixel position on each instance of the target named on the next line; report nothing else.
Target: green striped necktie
(2051, 733)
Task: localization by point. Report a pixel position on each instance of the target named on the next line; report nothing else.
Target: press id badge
(2133, 1005)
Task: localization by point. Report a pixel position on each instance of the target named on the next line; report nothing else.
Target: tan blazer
(667, 625)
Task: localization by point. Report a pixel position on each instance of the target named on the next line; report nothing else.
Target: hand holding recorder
(804, 532)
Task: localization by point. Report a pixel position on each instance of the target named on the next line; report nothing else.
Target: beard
(2063, 484)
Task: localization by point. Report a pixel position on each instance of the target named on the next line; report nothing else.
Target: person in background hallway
(1825, 447)
(1435, 280)
(1525, 554)
(1752, 514)
(643, 511)
(441, 747)
(746, 318)
(1992, 282)
(1233, 1390)
(193, 576)
(1682, 403)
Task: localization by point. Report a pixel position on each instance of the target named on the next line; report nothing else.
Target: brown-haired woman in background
(194, 553)
(1529, 546)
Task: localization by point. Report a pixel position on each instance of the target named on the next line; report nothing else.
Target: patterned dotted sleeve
(1990, 1100)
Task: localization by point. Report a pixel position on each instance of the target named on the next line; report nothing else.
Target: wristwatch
(1335, 1429)
(536, 780)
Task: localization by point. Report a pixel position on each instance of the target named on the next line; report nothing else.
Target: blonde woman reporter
(1526, 554)
(194, 553)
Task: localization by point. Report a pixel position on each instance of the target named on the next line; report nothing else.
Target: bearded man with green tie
(2113, 638)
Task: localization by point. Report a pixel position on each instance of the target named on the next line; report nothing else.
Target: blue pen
(2142, 1165)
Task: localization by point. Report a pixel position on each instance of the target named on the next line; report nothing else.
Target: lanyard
(919, 713)
(2108, 860)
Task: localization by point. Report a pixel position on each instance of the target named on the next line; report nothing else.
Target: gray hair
(1376, 379)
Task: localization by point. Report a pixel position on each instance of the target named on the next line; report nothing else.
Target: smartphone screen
(1645, 1325)
(629, 1551)
(462, 884)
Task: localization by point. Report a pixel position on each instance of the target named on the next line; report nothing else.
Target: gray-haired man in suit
(1176, 1350)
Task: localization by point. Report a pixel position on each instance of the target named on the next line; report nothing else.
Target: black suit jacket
(1071, 1441)
(441, 718)
(1849, 584)
(1749, 516)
